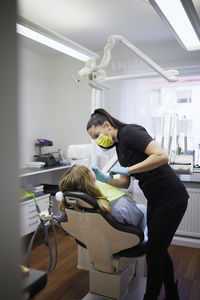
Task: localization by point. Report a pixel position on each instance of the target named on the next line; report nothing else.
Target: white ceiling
(90, 22)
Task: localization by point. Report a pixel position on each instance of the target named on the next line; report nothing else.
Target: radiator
(190, 224)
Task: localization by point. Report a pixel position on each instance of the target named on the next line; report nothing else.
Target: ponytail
(99, 116)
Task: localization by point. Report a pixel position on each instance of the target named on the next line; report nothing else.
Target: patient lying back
(110, 199)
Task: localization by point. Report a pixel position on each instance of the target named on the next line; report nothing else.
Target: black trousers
(161, 229)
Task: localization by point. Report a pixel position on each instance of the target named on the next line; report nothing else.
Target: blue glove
(99, 174)
(118, 170)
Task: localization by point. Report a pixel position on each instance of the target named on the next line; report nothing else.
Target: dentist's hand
(118, 170)
(100, 175)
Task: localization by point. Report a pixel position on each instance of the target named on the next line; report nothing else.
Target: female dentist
(140, 156)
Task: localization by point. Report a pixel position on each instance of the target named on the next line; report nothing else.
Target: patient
(110, 199)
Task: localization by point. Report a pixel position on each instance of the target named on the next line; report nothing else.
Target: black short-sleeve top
(161, 183)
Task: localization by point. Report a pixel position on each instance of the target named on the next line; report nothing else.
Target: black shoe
(172, 292)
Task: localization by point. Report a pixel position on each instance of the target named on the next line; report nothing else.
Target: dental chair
(107, 248)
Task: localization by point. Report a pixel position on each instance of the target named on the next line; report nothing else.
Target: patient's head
(78, 178)
(81, 178)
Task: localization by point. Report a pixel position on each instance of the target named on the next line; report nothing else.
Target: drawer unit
(29, 219)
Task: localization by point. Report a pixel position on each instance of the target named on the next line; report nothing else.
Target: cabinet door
(29, 219)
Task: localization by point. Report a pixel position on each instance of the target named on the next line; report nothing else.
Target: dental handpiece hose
(43, 221)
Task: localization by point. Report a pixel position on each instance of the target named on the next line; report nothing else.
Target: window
(184, 96)
(181, 98)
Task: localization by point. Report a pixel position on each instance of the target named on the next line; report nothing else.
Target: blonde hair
(80, 178)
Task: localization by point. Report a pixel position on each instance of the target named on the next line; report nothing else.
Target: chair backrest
(98, 231)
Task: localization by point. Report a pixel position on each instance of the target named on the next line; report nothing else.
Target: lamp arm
(92, 71)
(170, 75)
(107, 54)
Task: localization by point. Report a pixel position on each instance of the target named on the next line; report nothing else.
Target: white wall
(34, 94)
(71, 105)
(50, 104)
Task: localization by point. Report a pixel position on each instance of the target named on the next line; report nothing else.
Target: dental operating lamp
(97, 76)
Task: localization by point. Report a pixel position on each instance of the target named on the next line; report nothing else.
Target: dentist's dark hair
(99, 116)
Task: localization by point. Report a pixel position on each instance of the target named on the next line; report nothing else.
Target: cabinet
(29, 219)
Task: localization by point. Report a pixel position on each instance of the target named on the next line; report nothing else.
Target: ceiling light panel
(54, 40)
(174, 13)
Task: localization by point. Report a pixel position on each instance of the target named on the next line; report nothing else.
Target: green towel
(111, 192)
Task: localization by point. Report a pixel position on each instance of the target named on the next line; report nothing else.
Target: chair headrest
(88, 201)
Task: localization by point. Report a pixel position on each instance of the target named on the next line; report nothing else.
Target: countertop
(33, 171)
(195, 177)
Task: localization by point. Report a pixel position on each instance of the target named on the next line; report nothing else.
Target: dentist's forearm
(122, 182)
(152, 162)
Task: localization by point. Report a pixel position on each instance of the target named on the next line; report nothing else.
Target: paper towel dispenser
(79, 151)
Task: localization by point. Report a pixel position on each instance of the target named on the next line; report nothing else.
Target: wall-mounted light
(53, 40)
(182, 18)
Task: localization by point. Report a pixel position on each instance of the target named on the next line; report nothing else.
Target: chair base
(136, 291)
(114, 286)
(127, 279)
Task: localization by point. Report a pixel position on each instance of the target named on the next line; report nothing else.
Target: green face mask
(104, 141)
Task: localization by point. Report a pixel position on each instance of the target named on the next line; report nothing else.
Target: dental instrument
(185, 135)
(177, 134)
(180, 163)
(163, 129)
(170, 135)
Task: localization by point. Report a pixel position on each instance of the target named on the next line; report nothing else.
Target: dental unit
(112, 252)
